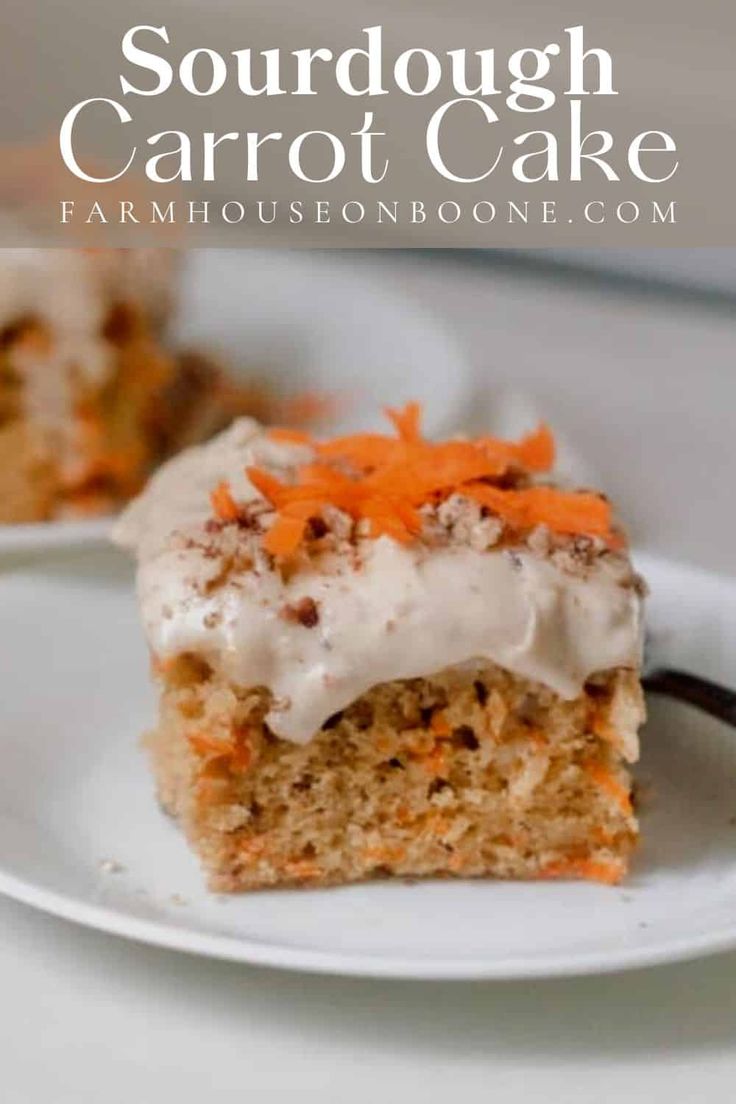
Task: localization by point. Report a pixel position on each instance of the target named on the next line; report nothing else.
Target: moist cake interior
(470, 773)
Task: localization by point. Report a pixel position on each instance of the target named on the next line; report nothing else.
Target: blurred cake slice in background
(384, 656)
(92, 396)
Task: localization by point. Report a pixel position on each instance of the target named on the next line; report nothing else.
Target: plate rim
(228, 948)
(40, 536)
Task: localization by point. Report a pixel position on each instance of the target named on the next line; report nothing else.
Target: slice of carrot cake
(379, 655)
(91, 396)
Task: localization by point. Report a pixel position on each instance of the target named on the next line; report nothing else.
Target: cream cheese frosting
(55, 285)
(70, 291)
(392, 612)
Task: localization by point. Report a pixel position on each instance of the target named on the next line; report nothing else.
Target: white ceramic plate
(76, 797)
(324, 322)
(42, 535)
(307, 321)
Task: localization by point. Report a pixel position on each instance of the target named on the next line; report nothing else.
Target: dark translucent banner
(411, 124)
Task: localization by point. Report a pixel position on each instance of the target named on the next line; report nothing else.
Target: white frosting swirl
(397, 612)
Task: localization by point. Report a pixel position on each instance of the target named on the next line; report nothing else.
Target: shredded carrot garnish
(223, 503)
(266, 484)
(406, 421)
(285, 536)
(536, 451)
(383, 480)
(561, 511)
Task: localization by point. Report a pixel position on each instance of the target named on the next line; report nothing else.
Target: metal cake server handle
(711, 697)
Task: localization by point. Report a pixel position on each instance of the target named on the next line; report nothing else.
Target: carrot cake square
(384, 656)
(92, 397)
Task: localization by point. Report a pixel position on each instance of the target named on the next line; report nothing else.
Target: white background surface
(91, 1020)
(86, 1018)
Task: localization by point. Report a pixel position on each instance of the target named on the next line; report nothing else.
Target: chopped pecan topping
(304, 612)
(317, 528)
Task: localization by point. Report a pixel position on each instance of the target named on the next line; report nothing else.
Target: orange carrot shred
(406, 421)
(223, 503)
(568, 512)
(284, 536)
(383, 480)
(363, 450)
(268, 485)
(537, 450)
